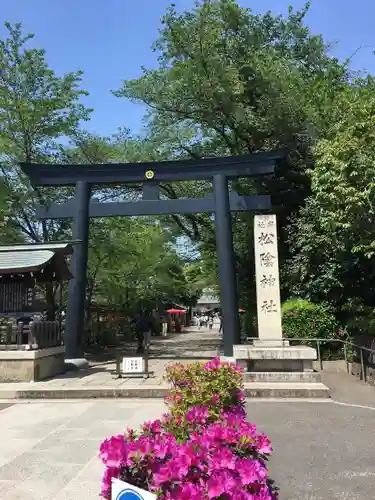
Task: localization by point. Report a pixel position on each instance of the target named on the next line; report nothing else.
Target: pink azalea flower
(223, 459)
(191, 491)
(113, 451)
(264, 444)
(240, 395)
(109, 473)
(215, 398)
(154, 427)
(216, 485)
(197, 415)
(250, 470)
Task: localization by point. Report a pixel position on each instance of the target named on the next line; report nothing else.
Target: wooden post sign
(125, 491)
(132, 365)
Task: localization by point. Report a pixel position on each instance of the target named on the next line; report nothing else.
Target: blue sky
(110, 40)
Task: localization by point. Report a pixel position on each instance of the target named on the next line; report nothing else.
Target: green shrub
(358, 317)
(216, 385)
(302, 319)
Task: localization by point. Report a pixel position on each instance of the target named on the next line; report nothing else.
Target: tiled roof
(29, 258)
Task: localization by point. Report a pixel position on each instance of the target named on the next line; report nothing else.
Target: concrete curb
(273, 391)
(87, 393)
(286, 393)
(283, 377)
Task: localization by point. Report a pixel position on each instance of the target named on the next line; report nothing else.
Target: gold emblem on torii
(149, 174)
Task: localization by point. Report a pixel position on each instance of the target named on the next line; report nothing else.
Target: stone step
(286, 390)
(282, 377)
(86, 392)
(252, 390)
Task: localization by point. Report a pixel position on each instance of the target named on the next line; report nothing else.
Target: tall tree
(343, 179)
(333, 239)
(231, 82)
(37, 110)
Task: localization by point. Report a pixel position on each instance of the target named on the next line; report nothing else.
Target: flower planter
(125, 491)
(200, 449)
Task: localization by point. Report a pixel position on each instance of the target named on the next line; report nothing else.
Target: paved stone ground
(322, 451)
(48, 450)
(186, 347)
(4, 405)
(349, 389)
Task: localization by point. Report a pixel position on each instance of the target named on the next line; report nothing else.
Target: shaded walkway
(193, 344)
(100, 379)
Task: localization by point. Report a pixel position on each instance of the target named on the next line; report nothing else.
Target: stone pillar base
(270, 343)
(280, 371)
(260, 358)
(32, 365)
(76, 364)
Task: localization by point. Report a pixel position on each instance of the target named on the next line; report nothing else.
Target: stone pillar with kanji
(267, 281)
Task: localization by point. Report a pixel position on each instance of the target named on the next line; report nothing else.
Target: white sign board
(132, 365)
(125, 491)
(267, 277)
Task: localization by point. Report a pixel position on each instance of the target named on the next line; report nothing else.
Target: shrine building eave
(46, 262)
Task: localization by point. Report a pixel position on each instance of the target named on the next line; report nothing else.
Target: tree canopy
(228, 81)
(333, 237)
(343, 180)
(231, 82)
(133, 263)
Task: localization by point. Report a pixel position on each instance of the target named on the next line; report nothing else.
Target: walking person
(221, 323)
(143, 329)
(211, 322)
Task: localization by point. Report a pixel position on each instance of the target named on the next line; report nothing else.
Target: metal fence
(353, 354)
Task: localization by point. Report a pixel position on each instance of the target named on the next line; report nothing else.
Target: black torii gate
(221, 203)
